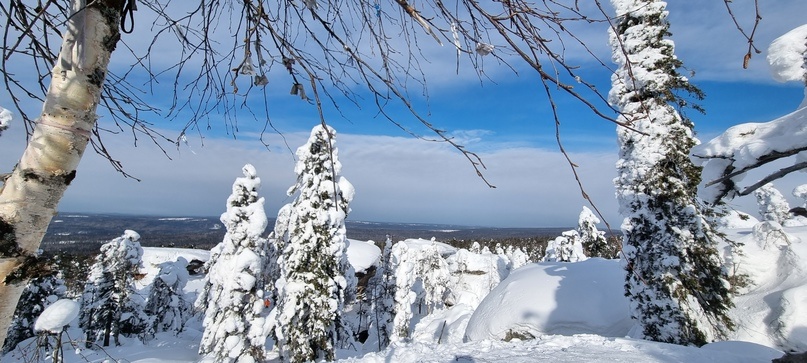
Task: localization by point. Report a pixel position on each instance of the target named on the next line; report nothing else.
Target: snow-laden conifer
(565, 248)
(592, 239)
(404, 263)
(383, 297)
(235, 324)
(315, 277)
(110, 305)
(675, 282)
(772, 204)
(38, 295)
(166, 305)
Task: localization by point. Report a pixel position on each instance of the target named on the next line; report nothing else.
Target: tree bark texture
(29, 197)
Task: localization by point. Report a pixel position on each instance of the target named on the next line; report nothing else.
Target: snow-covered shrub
(166, 305)
(474, 275)
(770, 235)
(435, 277)
(675, 279)
(421, 276)
(110, 305)
(565, 248)
(50, 325)
(772, 204)
(38, 295)
(235, 324)
(517, 257)
(801, 193)
(315, 277)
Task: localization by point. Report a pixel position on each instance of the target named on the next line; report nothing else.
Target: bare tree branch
(748, 36)
(771, 177)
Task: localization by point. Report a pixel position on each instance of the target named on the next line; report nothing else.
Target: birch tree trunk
(29, 197)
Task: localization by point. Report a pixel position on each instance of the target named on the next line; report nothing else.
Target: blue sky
(506, 121)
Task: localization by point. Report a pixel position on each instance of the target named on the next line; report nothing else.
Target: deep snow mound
(584, 297)
(362, 254)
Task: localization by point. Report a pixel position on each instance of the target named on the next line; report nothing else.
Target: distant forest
(83, 234)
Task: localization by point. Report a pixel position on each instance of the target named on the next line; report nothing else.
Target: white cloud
(397, 179)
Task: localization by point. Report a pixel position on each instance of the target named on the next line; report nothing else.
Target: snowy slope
(562, 304)
(572, 349)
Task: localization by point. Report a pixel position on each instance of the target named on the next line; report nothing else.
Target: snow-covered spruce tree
(383, 297)
(166, 305)
(38, 295)
(402, 263)
(314, 272)
(592, 239)
(675, 282)
(110, 305)
(235, 324)
(772, 204)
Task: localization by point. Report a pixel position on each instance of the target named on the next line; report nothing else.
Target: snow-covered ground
(553, 311)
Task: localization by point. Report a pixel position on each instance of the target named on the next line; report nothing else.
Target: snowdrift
(554, 298)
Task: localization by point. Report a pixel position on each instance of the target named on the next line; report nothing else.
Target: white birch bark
(29, 196)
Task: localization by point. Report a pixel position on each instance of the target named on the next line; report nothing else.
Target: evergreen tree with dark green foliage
(677, 286)
(315, 277)
(110, 305)
(38, 295)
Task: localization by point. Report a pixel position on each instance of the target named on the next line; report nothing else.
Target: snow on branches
(235, 324)
(729, 157)
(315, 277)
(110, 305)
(675, 282)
